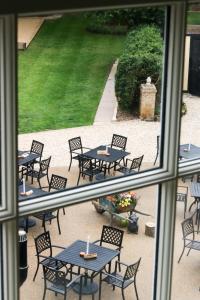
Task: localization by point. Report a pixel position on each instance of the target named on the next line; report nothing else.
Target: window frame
(166, 175)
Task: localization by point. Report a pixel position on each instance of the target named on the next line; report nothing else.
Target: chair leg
(63, 211)
(123, 297)
(39, 183)
(36, 271)
(136, 291)
(181, 254)
(70, 164)
(58, 223)
(78, 178)
(100, 283)
(119, 264)
(44, 293)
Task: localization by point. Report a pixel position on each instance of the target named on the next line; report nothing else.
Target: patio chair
(43, 171)
(57, 183)
(89, 168)
(37, 148)
(182, 196)
(118, 142)
(56, 281)
(44, 252)
(158, 148)
(134, 166)
(112, 236)
(189, 237)
(75, 148)
(122, 281)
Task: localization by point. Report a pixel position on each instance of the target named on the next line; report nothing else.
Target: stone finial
(148, 80)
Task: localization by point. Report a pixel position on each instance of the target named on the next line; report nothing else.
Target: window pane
(78, 87)
(87, 220)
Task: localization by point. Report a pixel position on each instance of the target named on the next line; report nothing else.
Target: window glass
(85, 222)
(86, 93)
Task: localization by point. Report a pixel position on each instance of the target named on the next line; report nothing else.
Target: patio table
(195, 192)
(25, 157)
(27, 222)
(189, 152)
(71, 255)
(114, 154)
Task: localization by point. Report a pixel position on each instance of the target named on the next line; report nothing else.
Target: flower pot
(120, 209)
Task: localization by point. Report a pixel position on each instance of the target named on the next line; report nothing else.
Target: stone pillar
(147, 100)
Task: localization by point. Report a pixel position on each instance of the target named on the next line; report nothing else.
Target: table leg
(89, 287)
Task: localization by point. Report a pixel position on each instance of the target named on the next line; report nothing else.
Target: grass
(193, 18)
(63, 73)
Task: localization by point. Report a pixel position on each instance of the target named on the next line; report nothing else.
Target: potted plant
(125, 202)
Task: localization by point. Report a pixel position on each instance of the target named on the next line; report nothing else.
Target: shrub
(123, 19)
(142, 57)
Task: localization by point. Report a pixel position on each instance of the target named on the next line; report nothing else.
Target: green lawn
(193, 18)
(62, 75)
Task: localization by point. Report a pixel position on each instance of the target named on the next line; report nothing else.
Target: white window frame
(166, 175)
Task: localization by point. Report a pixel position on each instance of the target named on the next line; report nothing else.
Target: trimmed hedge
(142, 57)
(123, 19)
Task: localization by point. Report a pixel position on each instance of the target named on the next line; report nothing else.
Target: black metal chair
(44, 252)
(43, 171)
(118, 142)
(134, 166)
(112, 236)
(182, 196)
(56, 281)
(122, 281)
(89, 168)
(75, 148)
(189, 237)
(57, 183)
(158, 148)
(37, 148)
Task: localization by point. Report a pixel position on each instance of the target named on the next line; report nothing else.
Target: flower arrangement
(125, 200)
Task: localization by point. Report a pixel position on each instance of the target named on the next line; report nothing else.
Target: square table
(71, 255)
(114, 154)
(195, 192)
(27, 222)
(189, 152)
(26, 157)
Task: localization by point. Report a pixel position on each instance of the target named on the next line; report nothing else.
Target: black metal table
(25, 157)
(71, 255)
(114, 154)
(27, 222)
(195, 192)
(189, 151)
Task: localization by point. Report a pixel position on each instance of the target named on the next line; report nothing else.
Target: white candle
(87, 245)
(106, 149)
(189, 147)
(24, 188)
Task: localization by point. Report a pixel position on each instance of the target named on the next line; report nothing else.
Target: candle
(87, 245)
(106, 149)
(189, 147)
(24, 188)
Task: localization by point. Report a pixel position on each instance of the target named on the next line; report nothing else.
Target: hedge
(124, 19)
(142, 57)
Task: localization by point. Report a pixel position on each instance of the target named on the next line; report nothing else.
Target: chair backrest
(85, 163)
(111, 235)
(131, 270)
(37, 147)
(188, 227)
(182, 193)
(136, 163)
(56, 277)
(75, 144)
(57, 182)
(43, 242)
(119, 141)
(44, 164)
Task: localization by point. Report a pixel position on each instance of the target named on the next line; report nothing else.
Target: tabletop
(72, 256)
(195, 189)
(25, 157)
(36, 193)
(185, 153)
(115, 154)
